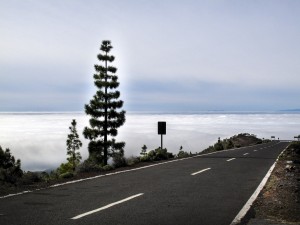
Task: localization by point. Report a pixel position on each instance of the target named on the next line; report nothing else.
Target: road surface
(209, 190)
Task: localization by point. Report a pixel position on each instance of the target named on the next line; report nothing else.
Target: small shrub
(151, 154)
(161, 154)
(156, 155)
(119, 161)
(66, 175)
(89, 166)
(183, 154)
(208, 150)
(30, 178)
(170, 155)
(132, 161)
(229, 144)
(145, 158)
(44, 176)
(64, 168)
(107, 167)
(295, 146)
(53, 175)
(218, 146)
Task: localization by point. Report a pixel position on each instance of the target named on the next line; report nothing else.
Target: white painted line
(228, 160)
(201, 171)
(255, 150)
(246, 154)
(106, 207)
(11, 195)
(249, 203)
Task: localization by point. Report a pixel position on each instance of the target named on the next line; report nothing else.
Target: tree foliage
(73, 144)
(103, 109)
(144, 150)
(10, 169)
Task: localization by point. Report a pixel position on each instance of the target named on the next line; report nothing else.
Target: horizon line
(160, 111)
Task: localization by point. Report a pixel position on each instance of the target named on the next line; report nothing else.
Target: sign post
(161, 125)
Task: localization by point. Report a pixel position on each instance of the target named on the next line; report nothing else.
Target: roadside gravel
(279, 201)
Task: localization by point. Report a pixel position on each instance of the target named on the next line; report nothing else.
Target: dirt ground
(279, 201)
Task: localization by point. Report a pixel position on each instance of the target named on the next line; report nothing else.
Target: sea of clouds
(39, 139)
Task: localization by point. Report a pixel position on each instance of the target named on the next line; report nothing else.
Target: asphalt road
(209, 190)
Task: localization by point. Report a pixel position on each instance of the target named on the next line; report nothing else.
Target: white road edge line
(228, 160)
(106, 207)
(201, 171)
(246, 153)
(250, 201)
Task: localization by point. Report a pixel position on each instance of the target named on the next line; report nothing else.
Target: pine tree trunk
(105, 120)
(74, 159)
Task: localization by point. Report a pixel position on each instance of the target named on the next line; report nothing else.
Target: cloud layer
(39, 140)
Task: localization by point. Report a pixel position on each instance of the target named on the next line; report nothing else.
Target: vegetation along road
(207, 189)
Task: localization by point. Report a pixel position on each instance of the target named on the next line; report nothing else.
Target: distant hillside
(236, 141)
(242, 140)
(290, 110)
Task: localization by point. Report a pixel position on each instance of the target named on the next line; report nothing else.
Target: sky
(171, 55)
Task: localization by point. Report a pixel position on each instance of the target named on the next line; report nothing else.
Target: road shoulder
(279, 201)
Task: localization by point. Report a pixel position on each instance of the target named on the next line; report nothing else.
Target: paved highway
(209, 190)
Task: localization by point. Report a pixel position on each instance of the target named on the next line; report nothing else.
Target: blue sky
(171, 55)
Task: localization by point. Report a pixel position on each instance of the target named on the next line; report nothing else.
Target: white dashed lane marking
(228, 160)
(106, 207)
(201, 171)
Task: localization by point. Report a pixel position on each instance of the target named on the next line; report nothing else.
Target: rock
(289, 168)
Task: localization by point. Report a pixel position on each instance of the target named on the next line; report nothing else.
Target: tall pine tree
(103, 109)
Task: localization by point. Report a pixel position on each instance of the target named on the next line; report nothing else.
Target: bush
(64, 168)
(161, 154)
(66, 175)
(107, 167)
(208, 150)
(145, 158)
(218, 146)
(156, 155)
(170, 155)
(45, 176)
(119, 161)
(183, 154)
(132, 161)
(151, 154)
(229, 144)
(295, 146)
(30, 178)
(89, 165)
